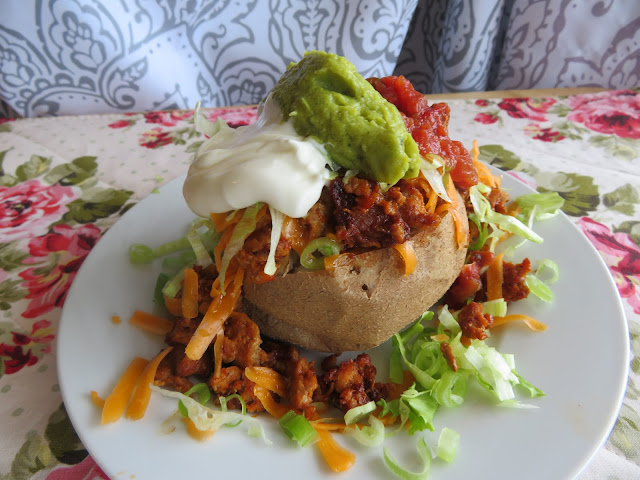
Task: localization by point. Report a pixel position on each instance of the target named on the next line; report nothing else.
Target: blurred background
(60, 57)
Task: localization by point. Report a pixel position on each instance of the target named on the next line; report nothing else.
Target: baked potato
(363, 302)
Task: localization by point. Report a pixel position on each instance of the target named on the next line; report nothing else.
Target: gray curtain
(464, 45)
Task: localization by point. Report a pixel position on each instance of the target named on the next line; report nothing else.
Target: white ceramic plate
(581, 362)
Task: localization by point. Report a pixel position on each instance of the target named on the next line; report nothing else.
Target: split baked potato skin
(361, 304)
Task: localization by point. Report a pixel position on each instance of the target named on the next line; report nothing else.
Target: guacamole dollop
(328, 100)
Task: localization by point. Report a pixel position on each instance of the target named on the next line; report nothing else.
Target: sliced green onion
(277, 219)
(538, 288)
(173, 286)
(324, 246)
(245, 227)
(358, 413)
(140, 253)
(162, 280)
(203, 395)
(448, 443)
(179, 261)
(495, 308)
(370, 436)
(548, 265)
(298, 428)
(403, 473)
(223, 406)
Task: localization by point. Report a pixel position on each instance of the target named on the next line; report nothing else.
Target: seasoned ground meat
(350, 384)
(255, 251)
(302, 384)
(469, 281)
(281, 357)
(166, 375)
(445, 348)
(242, 341)
(473, 322)
(182, 331)
(498, 199)
(231, 380)
(368, 217)
(513, 286)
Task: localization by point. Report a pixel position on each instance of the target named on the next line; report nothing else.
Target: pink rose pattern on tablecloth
(88, 469)
(621, 255)
(28, 208)
(19, 350)
(610, 120)
(157, 137)
(65, 248)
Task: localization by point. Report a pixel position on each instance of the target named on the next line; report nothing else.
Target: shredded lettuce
(204, 125)
(546, 205)
(205, 418)
(429, 169)
(539, 287)
(403, 473)
(202, 256)
(245, 227)
(448, 320)
(484, 213)
(277, 219)
(448, 443)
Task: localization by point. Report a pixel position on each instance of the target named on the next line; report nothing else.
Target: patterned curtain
(464, 45)
(92, 56)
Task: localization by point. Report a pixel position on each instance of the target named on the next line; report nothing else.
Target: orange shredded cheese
(217, 353)
(532, 323)
(140, 399)
(461, 238)
(212, 322)
(432, 202)
(190, 293)
(408, 254)
(338, 458)
(495, 277)
(174, 305)
(484, 174)
(97, 400)
(116, 403)
(267, 378)
(116, 319)
(222, 244)
(270, 405)
(223, 220)
(151, 323)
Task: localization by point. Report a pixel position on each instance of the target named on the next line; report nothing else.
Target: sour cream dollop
(263, 162)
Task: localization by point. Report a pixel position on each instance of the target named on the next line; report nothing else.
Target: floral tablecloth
(64, 181)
